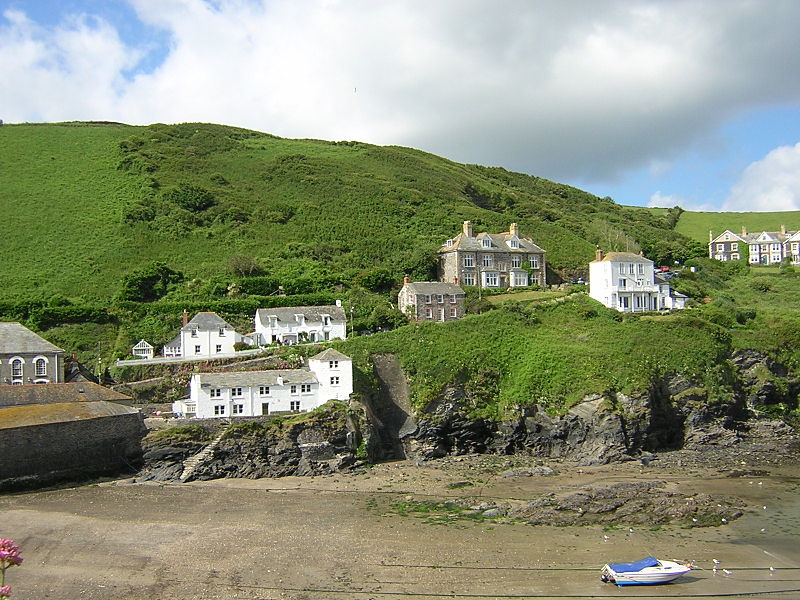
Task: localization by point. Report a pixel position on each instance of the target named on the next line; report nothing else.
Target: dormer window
(326, 319)
(222, 332)
(487, 243)
(449, 243)
(300, 319)
(513, 242)
(194, 332)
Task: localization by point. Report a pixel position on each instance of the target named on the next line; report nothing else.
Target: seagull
(727, 572)
(724, 520)
(764, 507)
(772, 569)
(630, 530)
(763, 530)
(694, 520)
(606, 538)
(715, 561)
(714, 570)
(760, 483)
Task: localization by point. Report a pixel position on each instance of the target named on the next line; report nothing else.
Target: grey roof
(499, 243)
(45, 393)
(14, 338)
(60, 412)
(205, 321)
(253, 378)
(431, 288)
(330, 354)
(624, 257)
(174, 342)
(311, 313)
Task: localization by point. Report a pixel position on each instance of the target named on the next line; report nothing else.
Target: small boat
(648, 571)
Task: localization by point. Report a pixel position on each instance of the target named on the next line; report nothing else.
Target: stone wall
(39, 455)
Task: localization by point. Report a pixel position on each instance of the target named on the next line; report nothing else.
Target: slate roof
(330, 354)
(253, 378)
(59, 412)
(206, 321)
(311, 313)
(16, 339)
(431, 288)
(624, 257)
(499, 243)
(48, 393)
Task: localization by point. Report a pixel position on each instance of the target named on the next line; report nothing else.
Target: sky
(691, 103)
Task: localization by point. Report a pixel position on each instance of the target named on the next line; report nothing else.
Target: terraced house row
(763, 248)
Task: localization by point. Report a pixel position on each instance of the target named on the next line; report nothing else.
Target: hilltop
(88, 203)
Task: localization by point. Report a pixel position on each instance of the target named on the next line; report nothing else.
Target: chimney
(339, 303)
(405, 280)
(598, 254)
(185, 317)
(280, 380)
(710, 236)
(466, 229)
(744, 230)
(514, 229)
(783, 229)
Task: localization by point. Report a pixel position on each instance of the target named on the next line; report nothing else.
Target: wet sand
(341, 537)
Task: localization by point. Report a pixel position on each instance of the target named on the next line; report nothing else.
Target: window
(194, 332)
(520, 279)
(516, 261)
(263, 390)
(197, 349)
(333, 364)
(734, 256)
(305, 388)
(428, 313)
(294, 405)
(487, 243)
(469, 279)
(219, 409)
(622, 269)
(293, 389)
(236, 392)
(449, 243)
(622, 283)
(428, 299)
(326, 320)
(720, 247)
(237, 409)
(334, 381)
(487, 261)
(469, 261)
(640, 269)
(441, 314)
(221, 332)
(490, 279)
(453, 299)
(534, 262)
(735, 247)
(514, 243)
(40, 367)
(218, 348)
(265, 408)
(215, 393)
(16, 367)
(454, 313)
(440, 298)
(630, 268)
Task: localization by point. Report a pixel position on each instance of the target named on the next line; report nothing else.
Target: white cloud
(659, 200)
(580, 90)
(770, 184)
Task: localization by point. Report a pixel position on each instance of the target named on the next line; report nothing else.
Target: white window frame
(263, 390)
(487, 260)
(215, 393)
(40, 366)
(219, 409)
(305, 388)
(294, 405)
(237, 409)
(516, 262)
(237, 392)
(534, 262)
(486, 242)
(469, 260)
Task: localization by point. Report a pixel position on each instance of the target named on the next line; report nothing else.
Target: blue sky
(689, 102)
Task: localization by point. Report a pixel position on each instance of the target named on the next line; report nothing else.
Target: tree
(149, 283)
(191, 197)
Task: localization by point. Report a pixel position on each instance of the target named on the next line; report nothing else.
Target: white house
(143, 349)
(628, 283)
(292, 325)
(205, 335)
(328, 376)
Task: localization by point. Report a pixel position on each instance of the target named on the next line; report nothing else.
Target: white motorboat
(648, 571)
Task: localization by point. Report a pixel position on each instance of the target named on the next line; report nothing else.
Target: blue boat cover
(634, 567)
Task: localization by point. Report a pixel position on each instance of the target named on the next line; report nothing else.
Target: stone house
(627, 282)
(763, 248)
(328, 376)
(491, 260)
(431, 300)
(26, 357)
(66, 431)
(296, 324)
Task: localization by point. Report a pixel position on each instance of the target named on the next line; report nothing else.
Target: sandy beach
(348, 536)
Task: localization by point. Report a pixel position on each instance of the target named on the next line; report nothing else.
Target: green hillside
(696, 225)
(87, 203)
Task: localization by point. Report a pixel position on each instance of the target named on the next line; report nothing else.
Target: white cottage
(628, 283)
(143, 349)
(297, 324)
(328, 376)
(206, 335)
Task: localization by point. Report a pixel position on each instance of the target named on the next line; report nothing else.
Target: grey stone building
(492, 260)
(28, 358)
(431, 300)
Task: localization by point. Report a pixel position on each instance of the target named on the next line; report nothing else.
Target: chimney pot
(598, 254)
(185, 317)
(744, 230)
(783, 229)
(467, 229)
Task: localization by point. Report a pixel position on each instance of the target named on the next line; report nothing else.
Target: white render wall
(326, 371)
(208, 340)
(291, 332)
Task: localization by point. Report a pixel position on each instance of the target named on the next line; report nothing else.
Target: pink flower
(5, 591)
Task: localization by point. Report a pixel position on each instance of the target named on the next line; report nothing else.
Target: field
(696, 225)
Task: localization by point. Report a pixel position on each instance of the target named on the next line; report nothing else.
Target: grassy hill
(696, 225)
(86, 203)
